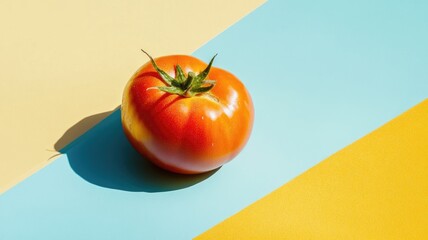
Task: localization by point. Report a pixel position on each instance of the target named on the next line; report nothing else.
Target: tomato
(186, 116)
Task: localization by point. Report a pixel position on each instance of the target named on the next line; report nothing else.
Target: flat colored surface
(321, 75)
(63, 62)
(376, 188)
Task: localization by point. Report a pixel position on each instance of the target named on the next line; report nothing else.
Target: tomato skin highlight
(187, 135)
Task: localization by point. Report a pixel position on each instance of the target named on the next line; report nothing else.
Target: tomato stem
(190, 86)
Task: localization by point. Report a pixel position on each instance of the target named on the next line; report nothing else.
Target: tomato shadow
(104, 157)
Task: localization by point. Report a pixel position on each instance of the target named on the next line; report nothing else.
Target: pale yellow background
(376, 188)
(63, 61)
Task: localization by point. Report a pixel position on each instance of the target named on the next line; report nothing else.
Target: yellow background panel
(376, 188)
(64, 61)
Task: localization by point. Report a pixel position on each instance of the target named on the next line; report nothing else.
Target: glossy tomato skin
(186, 135)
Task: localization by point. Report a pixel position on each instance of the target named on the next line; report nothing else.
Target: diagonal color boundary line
(375, 188)
(55, 63)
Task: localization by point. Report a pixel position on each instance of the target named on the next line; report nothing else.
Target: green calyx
(186, 86)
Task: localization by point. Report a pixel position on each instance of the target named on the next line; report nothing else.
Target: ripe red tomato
(186, 116)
